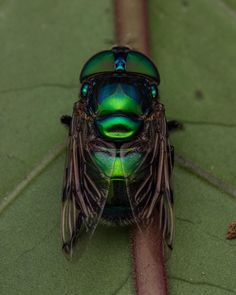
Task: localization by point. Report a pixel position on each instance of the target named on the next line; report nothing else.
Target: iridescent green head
(119, 85)
(120, 60)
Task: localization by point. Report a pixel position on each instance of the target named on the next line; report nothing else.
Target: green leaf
(43, 46)
(193, 45)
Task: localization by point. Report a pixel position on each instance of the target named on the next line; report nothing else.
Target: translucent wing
(85, 187)
(149, 185)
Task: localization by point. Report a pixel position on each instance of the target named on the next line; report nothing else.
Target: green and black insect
(119, 160)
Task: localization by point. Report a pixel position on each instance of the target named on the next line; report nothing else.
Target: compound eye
(154, 90)
(84, 89)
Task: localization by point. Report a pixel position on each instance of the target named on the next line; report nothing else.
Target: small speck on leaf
(199, 94)
(231, 234)
(185, 3)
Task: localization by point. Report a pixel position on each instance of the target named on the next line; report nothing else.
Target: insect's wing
(85, 189)
(149, 185)
(163, 186)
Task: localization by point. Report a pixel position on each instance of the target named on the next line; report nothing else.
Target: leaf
(44, 45)
(193, 44)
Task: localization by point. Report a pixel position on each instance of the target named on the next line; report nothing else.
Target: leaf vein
(198, 283)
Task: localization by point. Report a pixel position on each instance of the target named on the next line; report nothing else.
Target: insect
(119, 160)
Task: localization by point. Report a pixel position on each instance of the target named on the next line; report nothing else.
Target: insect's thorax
(119, 106)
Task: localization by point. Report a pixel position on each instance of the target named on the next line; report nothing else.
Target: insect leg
(66, 120)
(174, 125)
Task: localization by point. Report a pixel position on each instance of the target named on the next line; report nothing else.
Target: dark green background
(43, 46)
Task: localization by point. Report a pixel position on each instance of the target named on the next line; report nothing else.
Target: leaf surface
(194, 46)
(43, 46)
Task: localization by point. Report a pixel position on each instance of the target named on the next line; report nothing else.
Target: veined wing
(148, 186)
(85, 187)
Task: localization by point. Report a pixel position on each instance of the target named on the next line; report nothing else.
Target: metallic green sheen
(104, 62)
(85, 89)
(117, 167)
(154, 91)
(119, 102)
(99, 63)
(118, 127)
(139, 63)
